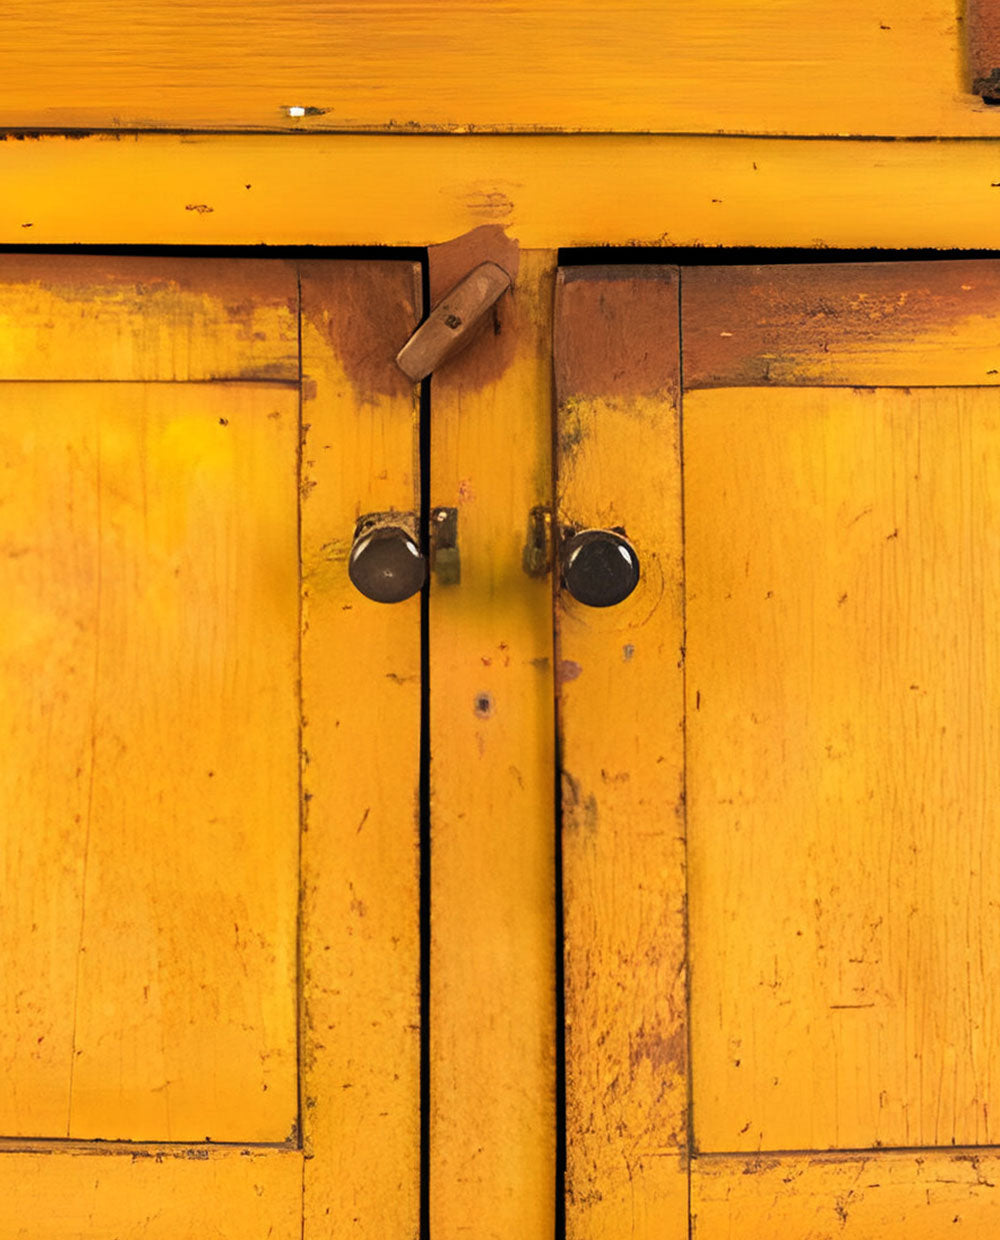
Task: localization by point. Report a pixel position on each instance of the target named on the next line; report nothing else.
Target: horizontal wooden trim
(135, 318)
(804, 66)
(914, 1195)
(545, 191)
(859, 324)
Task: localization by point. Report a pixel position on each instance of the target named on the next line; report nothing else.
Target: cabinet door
(201, 913)
(842, 510)
(827, 1068)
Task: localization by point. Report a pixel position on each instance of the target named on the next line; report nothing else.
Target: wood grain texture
(878, 1196)
(161, 1193)
(65, 316)
(843, 685)
(492, 997)
(547, 191)
(731, 66)
(149, 783)
(621, 708)
(361, 739)
(842, 323)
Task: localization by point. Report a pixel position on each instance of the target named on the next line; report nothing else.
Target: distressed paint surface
(843, 685)
(801, 67)
(842, 323)
(621, 748)
(492, 964)
(922, 1195)
(361, 752)
(548, 191)
(67, 316)
(165, 1193)
(145, 607)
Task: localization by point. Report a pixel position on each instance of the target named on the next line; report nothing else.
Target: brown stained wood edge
(751, 326)
(86, 277)
(982, 32)
(631, 354)
(377, 303)
(106, 318)
(449, 263)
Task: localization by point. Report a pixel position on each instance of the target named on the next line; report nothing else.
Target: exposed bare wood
(898, 324)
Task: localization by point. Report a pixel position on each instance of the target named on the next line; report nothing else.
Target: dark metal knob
(599, 567)
(385, 562)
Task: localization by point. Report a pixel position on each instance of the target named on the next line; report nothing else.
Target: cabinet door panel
(149, 598)
(844, 680)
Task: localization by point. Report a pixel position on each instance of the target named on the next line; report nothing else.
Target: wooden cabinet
(705, 878)
(490, 912)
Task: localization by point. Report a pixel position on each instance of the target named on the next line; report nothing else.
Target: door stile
(619, 672)
(361, 692)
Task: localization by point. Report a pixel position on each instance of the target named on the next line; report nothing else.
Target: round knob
(386, 564)
(599, 567)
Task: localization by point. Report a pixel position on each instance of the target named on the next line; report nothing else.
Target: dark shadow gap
(423, 525)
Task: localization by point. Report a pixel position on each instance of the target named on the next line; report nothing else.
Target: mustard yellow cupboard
(488, 912)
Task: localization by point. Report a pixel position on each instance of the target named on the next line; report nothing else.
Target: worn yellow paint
(546, 191)
(621, 709)
(157, 1193)
(69, 316)
(732, 65)
(146, 606)
(361, 738)
(880, 1196)
(842, 690)
(492, 997)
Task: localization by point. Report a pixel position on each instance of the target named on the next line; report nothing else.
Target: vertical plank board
(492, 999)
(149, 787)
(844, 721)
(361, 751)
(620, 681)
